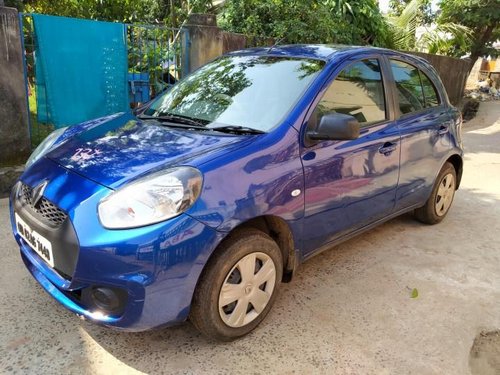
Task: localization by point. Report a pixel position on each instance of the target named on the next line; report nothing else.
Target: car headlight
(45, 146)
(151, 199)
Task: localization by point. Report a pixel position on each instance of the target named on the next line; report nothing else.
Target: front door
(350, 184)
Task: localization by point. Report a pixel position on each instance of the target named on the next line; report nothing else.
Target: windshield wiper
(177, 120)
(190, 123)
(237, 129)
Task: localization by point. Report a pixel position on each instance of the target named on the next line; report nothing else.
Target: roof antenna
(277, 43)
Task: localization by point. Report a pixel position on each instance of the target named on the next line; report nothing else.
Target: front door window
(357, 91)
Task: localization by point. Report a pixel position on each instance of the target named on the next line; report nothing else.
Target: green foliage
(38, 130)
(14, 4)
(441, 38)
(307, 21)
(445, 39)
(397, 6)
(482, 17)
(340, 7)
(149, 51)
(296, 21)
(369, 24)
(175, 12)
(404, 26)
(105, 10)
(129, 11)
(425, 14)
(464, 26)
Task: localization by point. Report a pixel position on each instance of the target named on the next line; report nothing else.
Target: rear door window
(409, 87)
(430, 94)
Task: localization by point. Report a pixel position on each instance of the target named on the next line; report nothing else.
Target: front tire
(443, 192)
(238, 286)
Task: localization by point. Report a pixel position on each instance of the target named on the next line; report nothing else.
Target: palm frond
(444, 37)
(405, 25)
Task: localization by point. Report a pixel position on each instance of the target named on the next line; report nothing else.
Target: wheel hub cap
(247, 289)
(445, 194)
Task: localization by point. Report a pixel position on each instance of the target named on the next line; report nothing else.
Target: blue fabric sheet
(81, 69)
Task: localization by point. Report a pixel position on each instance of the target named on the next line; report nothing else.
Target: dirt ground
(348, 311)
(485, 354)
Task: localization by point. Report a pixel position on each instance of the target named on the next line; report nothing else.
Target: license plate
(36, 241)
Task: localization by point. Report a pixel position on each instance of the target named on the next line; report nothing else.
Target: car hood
(122, 148)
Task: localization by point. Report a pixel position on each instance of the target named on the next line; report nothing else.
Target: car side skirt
(350, 235)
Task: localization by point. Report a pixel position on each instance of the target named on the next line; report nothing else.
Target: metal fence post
(25, 71)
(186, 47)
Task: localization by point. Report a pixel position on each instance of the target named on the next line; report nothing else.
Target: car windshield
(246, 91)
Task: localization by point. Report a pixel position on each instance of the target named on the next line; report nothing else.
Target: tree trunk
(478, 47)
(172, 14)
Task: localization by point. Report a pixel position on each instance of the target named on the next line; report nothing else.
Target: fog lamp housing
(104, 299)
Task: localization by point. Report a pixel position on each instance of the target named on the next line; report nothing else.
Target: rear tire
(238, 286)
(441, 198)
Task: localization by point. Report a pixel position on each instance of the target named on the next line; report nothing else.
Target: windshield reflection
(251, 91)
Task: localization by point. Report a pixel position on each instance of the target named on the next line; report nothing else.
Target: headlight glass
(151, 199)
(45, 146)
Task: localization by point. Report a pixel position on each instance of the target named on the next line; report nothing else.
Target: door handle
(387, 148)
(443, 129)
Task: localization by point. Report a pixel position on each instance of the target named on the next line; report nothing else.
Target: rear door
(424, 124)
(350, 184)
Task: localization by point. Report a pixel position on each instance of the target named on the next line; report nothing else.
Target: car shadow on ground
(293, 323)
(339, 267)
(184, 346)
(321, 314)
(148, 351)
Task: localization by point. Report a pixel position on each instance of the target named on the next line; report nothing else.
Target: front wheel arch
(279, 230)
(204, 313)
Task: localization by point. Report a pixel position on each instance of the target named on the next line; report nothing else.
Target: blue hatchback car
(202, 202)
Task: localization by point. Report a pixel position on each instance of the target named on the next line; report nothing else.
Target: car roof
(325, 52)
(312, 51)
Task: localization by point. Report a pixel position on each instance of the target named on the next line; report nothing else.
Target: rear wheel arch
(458, 163)
(439, 202)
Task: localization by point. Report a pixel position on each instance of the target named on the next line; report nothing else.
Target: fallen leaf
(414, 293)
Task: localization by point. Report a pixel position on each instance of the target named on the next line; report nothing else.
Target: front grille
(44, 208)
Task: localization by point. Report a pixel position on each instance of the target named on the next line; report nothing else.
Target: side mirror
(335, 127)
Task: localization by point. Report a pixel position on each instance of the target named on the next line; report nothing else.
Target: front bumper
(157, 266)
(35, 268)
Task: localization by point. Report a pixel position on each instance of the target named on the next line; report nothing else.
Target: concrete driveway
(348, 311)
